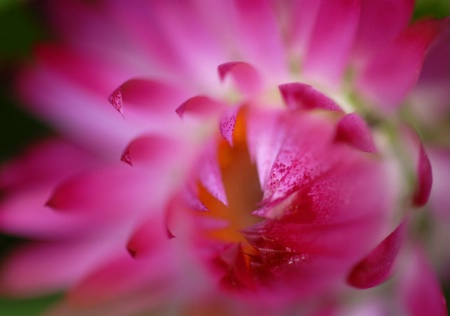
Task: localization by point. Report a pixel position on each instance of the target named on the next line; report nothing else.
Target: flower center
(242, 189)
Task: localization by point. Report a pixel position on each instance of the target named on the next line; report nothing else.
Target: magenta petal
(114, 191)
(211, 177)
(122, 276)
(331, 40)
(354, 130)
(246, 77)
(424, 179)
(116, 100)
(376, 267)
(146, 94)
(147, 238)
(419, 289)
(302, 16)
(302, 96)
(391, 74)
(381, 22)
(227, 124)
(264, 137)
(200, 105)
(257, 35)
(150, 149)
(44, 268)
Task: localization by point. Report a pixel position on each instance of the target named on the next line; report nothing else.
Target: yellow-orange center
(242, 188)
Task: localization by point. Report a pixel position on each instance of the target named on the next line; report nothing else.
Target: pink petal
(430, 97)
(86, 118)
(227, 124)
(151, 150)
(147, 238)
(145, 94)
(110, 191)
(424, 179)
(123, 276)
(245, 76)
(43, 163)
(353, 130)
(376, 267)
(300, 158)
(254, 23)
(200, 105)
(264, 136)
(419, 289)
(47, 267)
(23, 213)
(302, 96)
(439, 197)
(301, 22)
(391, 74)
(211, 177)
(331, 41)
(380, 23)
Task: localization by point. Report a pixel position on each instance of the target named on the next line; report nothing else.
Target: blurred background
(22, 24)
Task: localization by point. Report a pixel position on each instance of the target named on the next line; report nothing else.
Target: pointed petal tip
(170, 235)
(376, 268)
(126, 158)
(424, 179)
(116, 100)
(298, 95)
(246, 77)
(352, 129)
(132, 252)
(200, 105)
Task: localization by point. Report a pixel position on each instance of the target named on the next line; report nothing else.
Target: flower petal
(302, 96)
(419, 289)
(210, 175)
(246, 77)
(381, 22)
(118, 191)
(376, 267)
(147, 238)
(334, 31)
(152, 149)
(227, 125)
(301, 20)
(424, 179)
(387, 78)
(122, 276)
(151, 95)
(256, 22)
(200, 105)
(55, 266)
(354, 130)
(264, 137)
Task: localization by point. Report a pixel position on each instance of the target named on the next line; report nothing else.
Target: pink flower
(264, 165)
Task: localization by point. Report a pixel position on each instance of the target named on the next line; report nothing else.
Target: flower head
(264, 164)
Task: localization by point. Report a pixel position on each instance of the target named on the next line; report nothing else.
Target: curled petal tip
(353, 130)
(245, 76)
(424, 179)
(116, 100)
(170, 235)
(126, 158)
(200, 105)
(132, 252)
(227, 126)
(376, 267)
(298, 95)
(50, 203)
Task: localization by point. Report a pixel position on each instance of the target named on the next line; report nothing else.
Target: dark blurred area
(20, 28)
